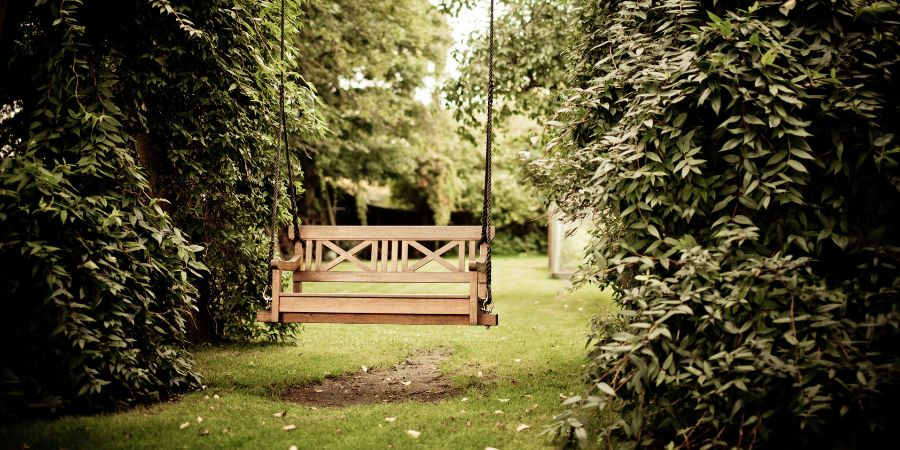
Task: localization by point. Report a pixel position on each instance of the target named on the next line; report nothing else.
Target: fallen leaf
(465, 399)
(280, 414)
(216, 396)
(293, 447)
(291, 427)
(518, 360)
(199, 419)
(407, 383)
(498, 412)
(503, 400)
(204, 432)
(491, 448)
(318, 390)
(500, 425)
(480, 374)
(522, 427)
(390, 419)
(413, 433)
(365, 369)
(184, 425)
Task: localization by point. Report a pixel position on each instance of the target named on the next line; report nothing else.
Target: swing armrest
(291, 264)
(477, 266)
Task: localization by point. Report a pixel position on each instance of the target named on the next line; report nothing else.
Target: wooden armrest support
(477, 266)
(291, 264)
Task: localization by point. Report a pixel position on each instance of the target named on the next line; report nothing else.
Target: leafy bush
(96, 281)
(741, 161)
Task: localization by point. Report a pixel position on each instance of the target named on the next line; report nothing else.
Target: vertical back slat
(395, 257)
(385, 252)
(472, 256)
(309, 254)
(374, 255)
(404, 256)
(462, 256)
(318, 255)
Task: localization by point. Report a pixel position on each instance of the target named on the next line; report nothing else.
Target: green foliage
(98, 124)
(529, 68)
(96, 280)
(741, 161)
(216, 168)
(366, 60)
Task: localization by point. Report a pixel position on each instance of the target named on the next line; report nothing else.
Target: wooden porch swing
(388, 259)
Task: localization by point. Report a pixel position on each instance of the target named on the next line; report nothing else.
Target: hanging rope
(488, 302)
(283, 147)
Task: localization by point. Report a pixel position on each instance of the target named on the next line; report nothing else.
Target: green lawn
(532, 358)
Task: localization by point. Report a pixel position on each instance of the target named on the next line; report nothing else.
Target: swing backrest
(383, 254)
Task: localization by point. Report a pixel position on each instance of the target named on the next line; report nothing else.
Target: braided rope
(276, 181)
(488, 302)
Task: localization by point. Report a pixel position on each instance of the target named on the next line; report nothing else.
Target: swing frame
(394, 243)
(388, 261)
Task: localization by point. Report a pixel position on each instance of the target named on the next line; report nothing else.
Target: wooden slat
(276, 294)
(473, 298)
(404, 258)
(395, 258)
(461, 263)
(374, 255)
(349, 255)
(309, 254)
(318, 256)
(488, 320)
(384, 277)
(472, 255)
(431, 256)
(356, 295)
(385, 253)
(308, 303)
(419, 233)
(482, 284)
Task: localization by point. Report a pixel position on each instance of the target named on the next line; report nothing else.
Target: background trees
(741, 161)
(366, 62)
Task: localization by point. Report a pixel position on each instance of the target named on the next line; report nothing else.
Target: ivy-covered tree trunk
(741, 160)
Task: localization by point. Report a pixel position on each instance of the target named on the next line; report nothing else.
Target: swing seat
(387, 260)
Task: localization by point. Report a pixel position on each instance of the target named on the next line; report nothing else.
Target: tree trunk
(200, 326)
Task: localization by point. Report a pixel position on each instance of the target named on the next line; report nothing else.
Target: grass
(532, 358)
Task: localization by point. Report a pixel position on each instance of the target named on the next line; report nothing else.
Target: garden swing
(389, 249)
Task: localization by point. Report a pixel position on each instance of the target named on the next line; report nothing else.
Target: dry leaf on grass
(407, 383)
(522, 428)
(291, 427)
(280, 414)
(390, 419)
(413, 434)
(184, 425)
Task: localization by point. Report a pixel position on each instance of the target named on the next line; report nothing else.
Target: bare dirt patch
(417, 378)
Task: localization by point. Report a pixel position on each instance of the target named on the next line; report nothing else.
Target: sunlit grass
(535, 355)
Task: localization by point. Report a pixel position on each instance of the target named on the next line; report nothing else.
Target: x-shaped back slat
(433, 256)
(346, 255)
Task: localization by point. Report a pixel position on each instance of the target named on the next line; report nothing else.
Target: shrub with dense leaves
(96, 281)
(741, 160)
(98, 120)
